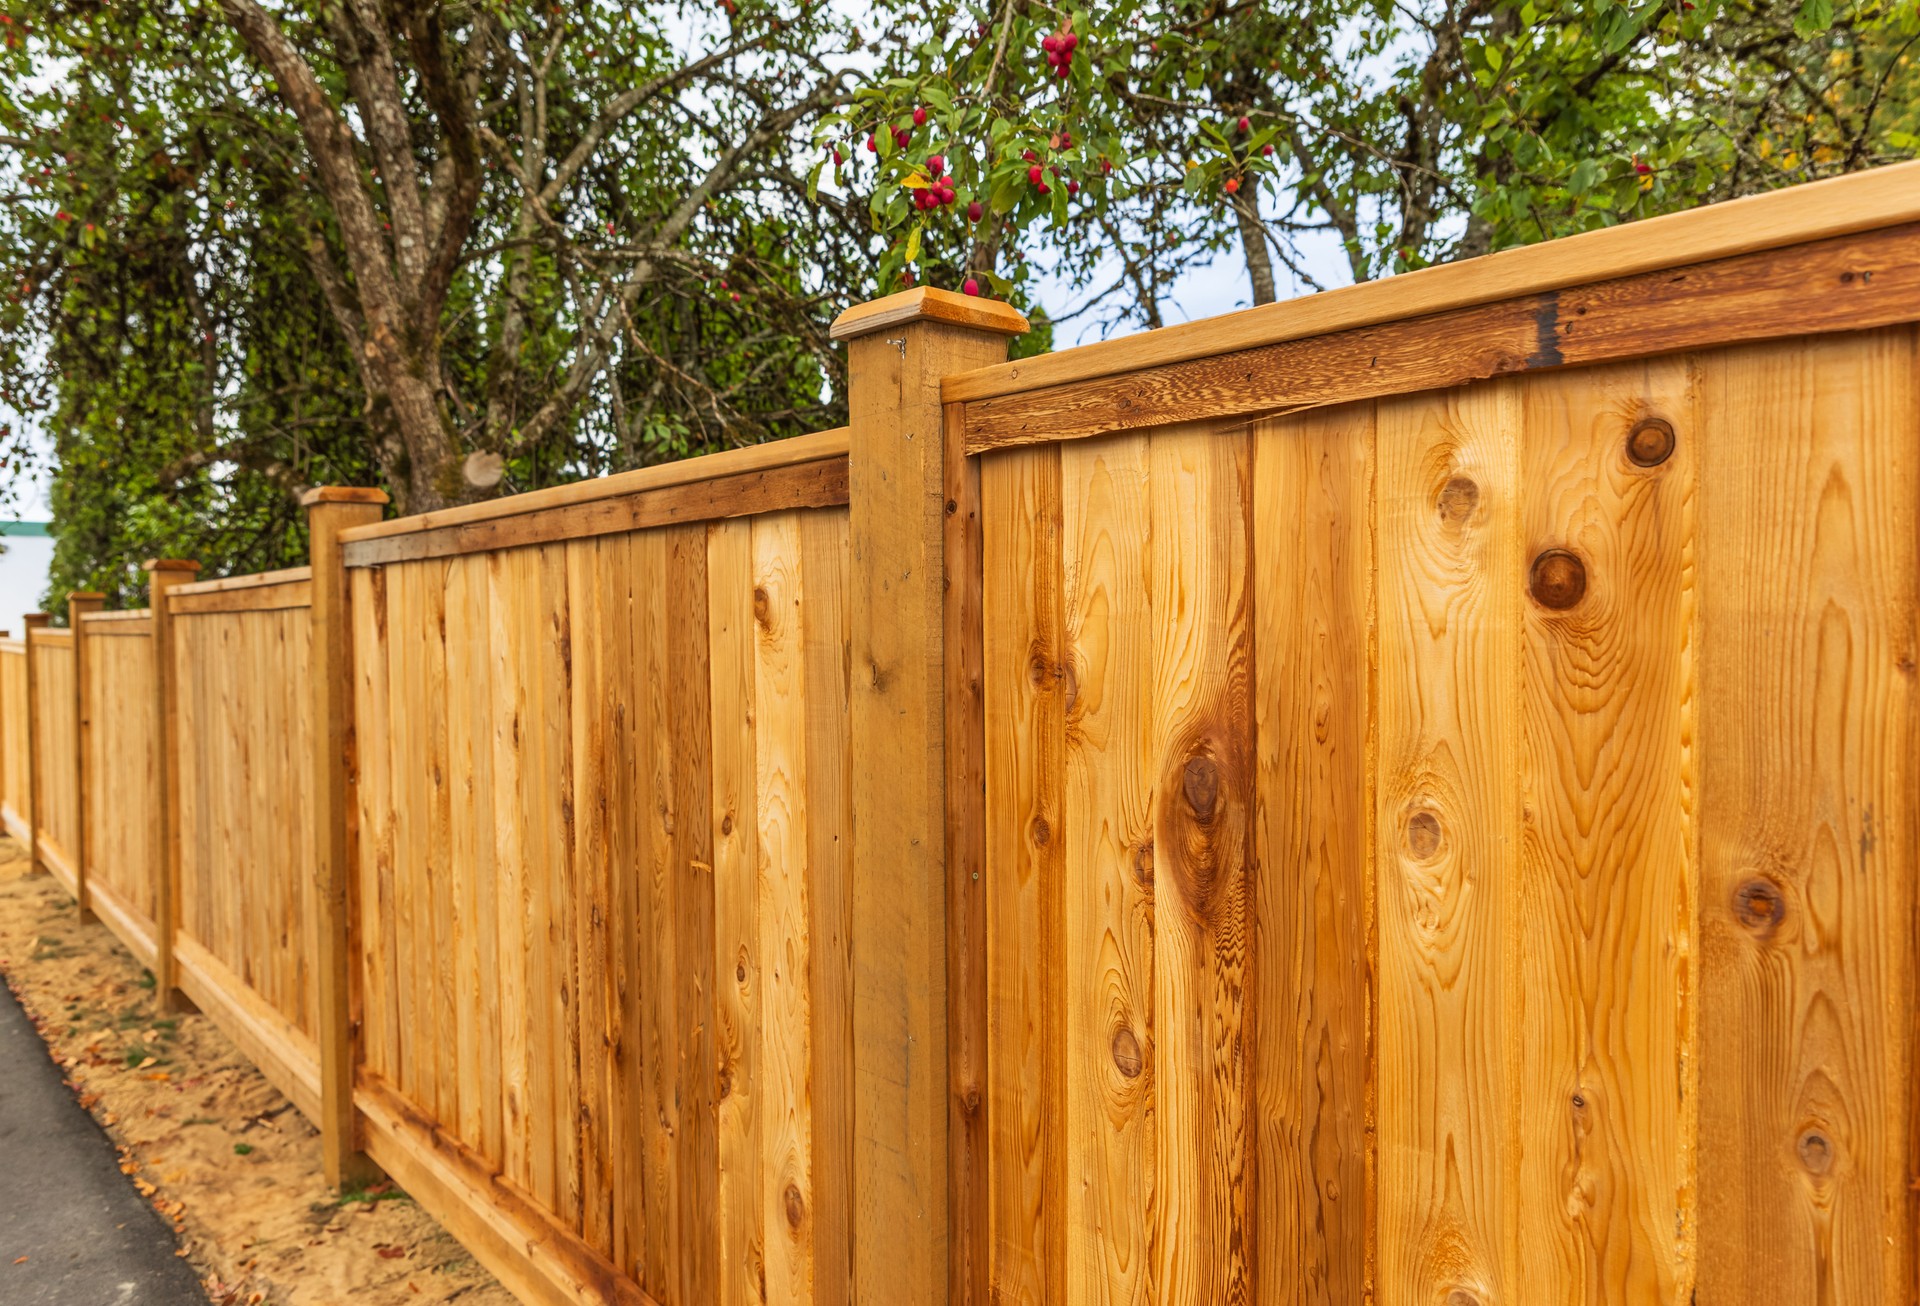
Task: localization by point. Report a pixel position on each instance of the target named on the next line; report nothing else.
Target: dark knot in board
(1423, 835)
(1558, 579)
(1201, 784)
(1126, 1052)
(1759, 905)
(1650, 443)
(1458, 498)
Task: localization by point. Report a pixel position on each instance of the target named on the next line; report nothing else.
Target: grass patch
(243, 1149)
(380, 1192)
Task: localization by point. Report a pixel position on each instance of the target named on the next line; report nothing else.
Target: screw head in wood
(1558, 579)
(1650, 443)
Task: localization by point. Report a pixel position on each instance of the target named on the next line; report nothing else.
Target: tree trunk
(1246, 209)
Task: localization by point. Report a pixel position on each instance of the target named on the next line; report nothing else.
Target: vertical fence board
(1313, 604)
(1807, 483)
(1109, 898)
(1447, 834)
(1604, 873)
(1025, 710)
(1203, 848)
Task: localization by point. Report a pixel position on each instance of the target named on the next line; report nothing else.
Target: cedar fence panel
(123, 807)
(603, 802)
(56, 756)
(244, 945)
(1403, 796)
(16, 770)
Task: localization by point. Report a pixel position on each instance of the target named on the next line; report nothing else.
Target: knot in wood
(1423, 835)
(1558, 579)
(726, 824)
(1759, 905)
(1651, 441)
(796, 1206)
(1126, 1052)
(1816, 1151)
(1462, 1297)
(762, 606)
(1040, 832)
(1200, 783)
(1459, 497)
(1143, 864)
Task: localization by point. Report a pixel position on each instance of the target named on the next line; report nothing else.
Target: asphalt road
(88, 1238)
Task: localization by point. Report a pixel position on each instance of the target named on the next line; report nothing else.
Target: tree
(1410, 133)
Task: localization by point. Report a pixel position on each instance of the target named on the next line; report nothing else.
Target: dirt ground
(205, 1138)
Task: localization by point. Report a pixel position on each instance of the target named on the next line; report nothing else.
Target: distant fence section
(1407, 796)
(122, 809)
(16, 770)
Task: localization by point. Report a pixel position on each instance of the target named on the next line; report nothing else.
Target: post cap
(37, 618)
(84, 595)
(929, 304)
(169, 564)
(342, 494)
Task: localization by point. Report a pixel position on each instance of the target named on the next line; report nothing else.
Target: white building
(28, 553)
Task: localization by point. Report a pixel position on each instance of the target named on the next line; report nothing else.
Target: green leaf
(1814, 16)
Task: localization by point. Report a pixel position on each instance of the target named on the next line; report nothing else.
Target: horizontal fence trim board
(141, 628)
(13, 646)
(818, 484)
(287, 1057)
(1846, 284)
(118, 615)
(118, 915)
(533, 1256)
(265, 598)
(1841, 206)
(794, 451)
(15, 823)
(42, 637)
(252, 581)
(58, 862)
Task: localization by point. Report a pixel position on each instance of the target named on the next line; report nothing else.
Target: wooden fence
(16, 771)
(1403, 796)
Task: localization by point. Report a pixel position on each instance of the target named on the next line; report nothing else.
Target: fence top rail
(791, 452)
(257, 580)
(119, 614)
(13, 645)
(1841, 206)
(45, 637)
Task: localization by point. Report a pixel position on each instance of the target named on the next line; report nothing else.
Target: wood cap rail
(1864, 201)
(929, 304)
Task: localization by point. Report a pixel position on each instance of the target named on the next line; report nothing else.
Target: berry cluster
(939, 192)
(1060, 47)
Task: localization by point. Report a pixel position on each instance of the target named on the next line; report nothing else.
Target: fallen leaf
(19, 1260)
(391, 1253)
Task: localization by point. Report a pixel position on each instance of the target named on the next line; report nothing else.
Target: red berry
(919, 117)
(936, 164)
(1029, 156)
(1061, 71)
(736, 297)
(872, 148)
(947, 195)
(1106, 165)
(1045, 189)
(901, 136)
(838, 158)
(1244, 125)
(1050, 44)
(1266, 151)
(1034, 174)
(1073, 188)
(974, 211)
(970, 287)
(1233, 185)
(1069, 42)
(1066, 140)
(1642, 169)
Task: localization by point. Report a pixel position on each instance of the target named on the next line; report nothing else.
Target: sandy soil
(203, 1135)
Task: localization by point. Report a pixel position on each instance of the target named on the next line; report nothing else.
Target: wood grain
(1447, 834)
(1312, 584)
(1806, 718)
(1026, 687)
(1107, 1117)
(1604, 871)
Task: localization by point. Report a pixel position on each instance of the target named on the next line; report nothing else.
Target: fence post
(330, 510)
(79, 604)
(36, 783)
(162, 575)
(918, 1128)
